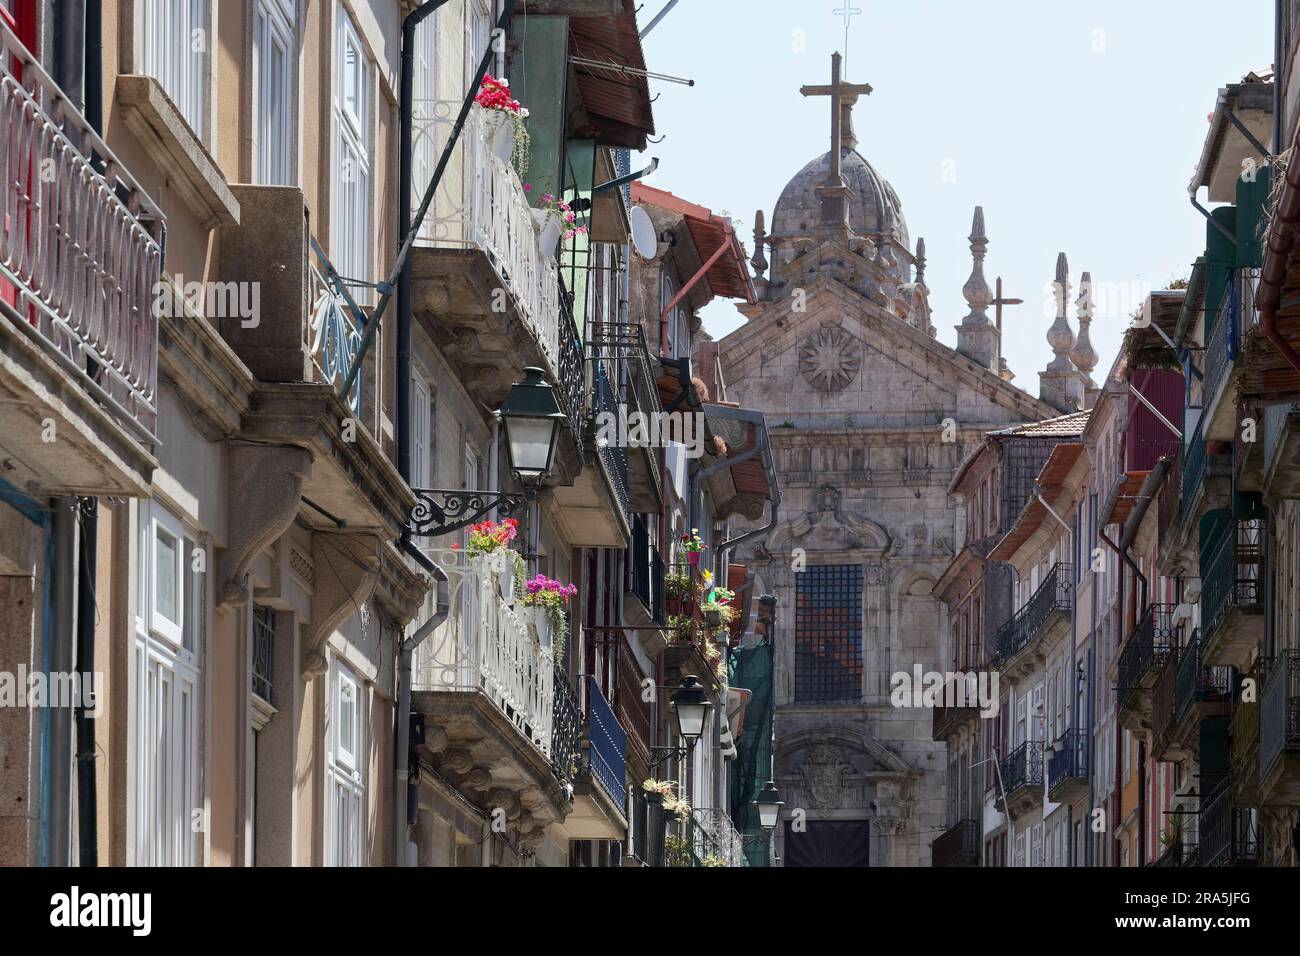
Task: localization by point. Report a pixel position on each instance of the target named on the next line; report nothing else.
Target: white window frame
(170, 29)
(166, 699)
(346, 773)
(351, 200)
(274, 143)
(479, 22)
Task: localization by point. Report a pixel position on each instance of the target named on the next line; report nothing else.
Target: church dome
(873, 208)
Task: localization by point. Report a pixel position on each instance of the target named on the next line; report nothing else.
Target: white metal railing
(481, 203)
(74, 241)
(332, 337)
(716, 835)
(485, 647)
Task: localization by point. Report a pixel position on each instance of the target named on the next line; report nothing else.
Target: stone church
(870, 415)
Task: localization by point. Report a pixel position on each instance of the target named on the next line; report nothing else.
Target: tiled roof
(1063, 426)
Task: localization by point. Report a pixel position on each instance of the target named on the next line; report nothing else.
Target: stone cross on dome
(834, 189)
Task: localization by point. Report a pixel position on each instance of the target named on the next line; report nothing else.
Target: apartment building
(243, 495)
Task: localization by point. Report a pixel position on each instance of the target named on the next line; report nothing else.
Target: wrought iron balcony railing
(957, 846)
(1222, 345)
(487, 648)
(1145, 650)
(1231, 556)
(645, 571)
(606, 745)
(1164, 699)
(263, 651)
(1197, 683)
(1068, 759)
(1056, 593)
(1023, 767)
(566, 729)
(79, 242)
(1177, 853)
(1194, 465)
(714, 839)
(572, 371)
(1244, 734)
(618, 351)
(1227, 833)
(482, 204)
(613, 455)
(1279, 711)
(634, 712)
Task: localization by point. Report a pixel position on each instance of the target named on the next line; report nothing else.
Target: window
(477, 36)
(273, 85)
(350, 207)
(344, 842)
(423, 410)
(263, 651)
(175, 46)
(828, 633)
(170, 598)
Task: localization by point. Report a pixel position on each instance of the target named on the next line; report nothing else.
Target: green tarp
(751, 668)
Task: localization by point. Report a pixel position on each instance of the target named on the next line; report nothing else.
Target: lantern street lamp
(532, 420)
(691, 704)
(769, 805)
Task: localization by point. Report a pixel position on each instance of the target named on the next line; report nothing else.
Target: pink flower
(528, 187)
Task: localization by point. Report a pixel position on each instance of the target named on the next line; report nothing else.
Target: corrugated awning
(616, 103)
(729, 276)
(1051, 479)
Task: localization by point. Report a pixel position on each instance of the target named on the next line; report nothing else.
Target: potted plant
(554, 218)
(679, 627)
(504, 119)
(544, 600)
(489, 545)
(692, 544)
(679, 588)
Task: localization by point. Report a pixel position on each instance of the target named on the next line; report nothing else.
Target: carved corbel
(347, 572)
(265, 490)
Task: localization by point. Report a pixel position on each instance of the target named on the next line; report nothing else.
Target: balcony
(481, 284)
(1177, 853)
(1203, 482)
(1281, 466)
(1044, 616)
(1201, 691)
(1164, 709)
(1067, 767)
(1279, 732)
(1228, 833)
(644, 578)
(1140, 662)
(947, 720)
(634, 712)
(1244, 738)
(595, 510)
(713, 840)
(959, 845)
(487, 688)
(1022, 779)
(1232, 608)
(1222, 367)
(600, 786)
(636, 422)
(79, 265)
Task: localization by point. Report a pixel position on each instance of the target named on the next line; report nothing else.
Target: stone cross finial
(976, 289)
(758, 260)
(1060, 337)
(920, 261)
(1084, 355)
(843, 96)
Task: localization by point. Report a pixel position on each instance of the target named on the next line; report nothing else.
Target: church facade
(870, 416)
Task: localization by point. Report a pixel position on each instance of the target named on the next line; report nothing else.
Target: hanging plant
(494, 95)
(552, 596)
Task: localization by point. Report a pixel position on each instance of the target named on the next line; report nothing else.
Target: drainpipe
(1119, 734)
(402, 735)
(405, 164)
(60, 655)
(87, 836)
(1092, 705)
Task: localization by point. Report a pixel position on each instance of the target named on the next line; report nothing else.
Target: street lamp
(691, 705)
(532, 419)
(769, 805)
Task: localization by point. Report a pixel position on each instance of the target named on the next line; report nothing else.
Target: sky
(1077, 126)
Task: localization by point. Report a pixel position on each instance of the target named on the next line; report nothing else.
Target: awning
(1122, 501)
(729, 275)
(615, 105)
(1051, 479)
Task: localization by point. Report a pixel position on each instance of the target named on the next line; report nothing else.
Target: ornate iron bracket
(660, 755)
(440, 511)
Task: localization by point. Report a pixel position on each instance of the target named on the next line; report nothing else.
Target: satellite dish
(644, 238)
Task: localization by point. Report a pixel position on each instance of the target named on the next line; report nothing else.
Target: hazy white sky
(1077, 126)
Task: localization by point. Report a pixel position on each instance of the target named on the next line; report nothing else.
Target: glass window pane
(166, 567)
